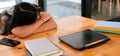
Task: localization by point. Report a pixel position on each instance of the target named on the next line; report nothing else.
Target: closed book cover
(108, 26)
(41, 47)
(60, 53)
(84, 39)
(108, 31)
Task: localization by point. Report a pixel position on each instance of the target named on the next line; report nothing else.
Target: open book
(42, 47)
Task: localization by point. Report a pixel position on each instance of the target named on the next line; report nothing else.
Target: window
(105, 9)
(6, 3)
(63, 8)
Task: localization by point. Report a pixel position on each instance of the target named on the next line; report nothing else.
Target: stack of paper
(42, 47)
(108, 26)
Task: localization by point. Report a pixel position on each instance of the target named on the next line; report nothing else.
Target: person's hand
(11, 36)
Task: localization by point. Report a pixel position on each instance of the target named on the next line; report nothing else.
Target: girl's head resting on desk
(21, 14)
(26, 13)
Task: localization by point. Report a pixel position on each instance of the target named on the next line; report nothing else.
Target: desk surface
(66, 26)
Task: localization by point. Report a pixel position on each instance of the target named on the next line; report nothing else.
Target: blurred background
(95, 9)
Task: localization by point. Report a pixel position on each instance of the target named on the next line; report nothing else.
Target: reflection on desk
(67, 26)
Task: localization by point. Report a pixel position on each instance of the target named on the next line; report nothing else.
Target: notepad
(84, 39)
(41, 47)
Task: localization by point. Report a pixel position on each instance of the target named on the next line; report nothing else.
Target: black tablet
(84, 39)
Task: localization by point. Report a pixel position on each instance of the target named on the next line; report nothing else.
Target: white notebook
(41, 47)
(60, 53)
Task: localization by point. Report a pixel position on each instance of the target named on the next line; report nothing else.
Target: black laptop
(84, 39)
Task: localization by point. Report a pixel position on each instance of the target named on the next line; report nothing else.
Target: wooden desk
(66, 26)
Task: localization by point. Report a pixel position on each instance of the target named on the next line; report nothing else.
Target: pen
(98, 41)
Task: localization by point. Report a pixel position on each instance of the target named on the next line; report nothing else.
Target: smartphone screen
(9, 42)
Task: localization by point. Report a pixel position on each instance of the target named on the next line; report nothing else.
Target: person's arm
(50, 24)
(45, 16)
(24, 31)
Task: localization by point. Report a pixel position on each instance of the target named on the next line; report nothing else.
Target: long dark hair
(23, 14)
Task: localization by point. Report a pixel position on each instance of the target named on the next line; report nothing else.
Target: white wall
(31, 1)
